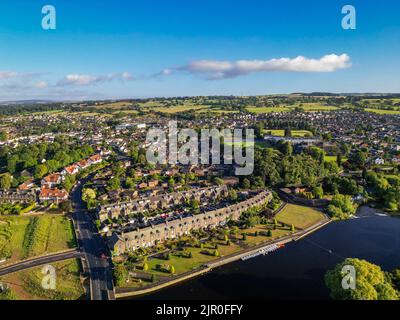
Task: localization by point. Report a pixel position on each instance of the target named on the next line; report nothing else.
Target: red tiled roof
(53, 193)
(53, 178)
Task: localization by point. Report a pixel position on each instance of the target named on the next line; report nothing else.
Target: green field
(295, 133)
(381, 111)
(313, 107)
(301, 217)
(24, 237)
(333, 159)
(176, 109)
(27, 284)
(183, 264)
(267, 109)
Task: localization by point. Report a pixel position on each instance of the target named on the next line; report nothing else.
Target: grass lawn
(182, 264)
(381, 111)
(267, 109)
(27, 284)
(333, 159)
(312, 107)
(176, 109)
(23, 237)
(301, 217)
(295, 133)
(254, 240)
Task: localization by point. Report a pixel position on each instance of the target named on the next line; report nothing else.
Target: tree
(88, 194)
(120, 275)
(52, 165)
(288, 132)
(370, 282)
(172, 269)
(113, 184)
(317, 154)
(341, 207)
(286, 148)
(339, 159)
(5, 181)
(12, 164)
(68, 182)
(129, 183)
(233, 194)
(40, 171)
(66, 206)
(395, 277)
(246, 183)
(218, 181)
(318, 192)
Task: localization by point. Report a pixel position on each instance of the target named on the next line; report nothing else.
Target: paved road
(40, 261)
(92, 245)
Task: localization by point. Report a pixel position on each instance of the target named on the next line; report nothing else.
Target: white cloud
(40, 85)
(214, 69)
(86, 80)
(8, 74)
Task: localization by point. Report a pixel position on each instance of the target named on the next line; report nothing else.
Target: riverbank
(207, 267)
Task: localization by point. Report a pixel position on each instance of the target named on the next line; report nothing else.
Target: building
(83, 164)
(71, 170)
(52, 195)
(120, 243)
(17, 196)
(27, 185)
(51, 181)
(162, 201)
(95, 159)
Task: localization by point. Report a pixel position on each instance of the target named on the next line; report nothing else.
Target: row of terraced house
(120, 242)
(162, 202)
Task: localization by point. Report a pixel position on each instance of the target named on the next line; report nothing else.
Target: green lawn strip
(333, 159)
(382, 111)
(23, 237)
(267, 109)
(301, 217)
(237, 244)
(27, 284)
(295, 133)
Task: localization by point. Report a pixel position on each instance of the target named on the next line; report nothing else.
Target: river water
(297, 271)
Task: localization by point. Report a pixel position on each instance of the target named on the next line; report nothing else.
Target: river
(297, 271)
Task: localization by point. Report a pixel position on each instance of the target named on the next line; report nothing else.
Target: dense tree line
(39, 159)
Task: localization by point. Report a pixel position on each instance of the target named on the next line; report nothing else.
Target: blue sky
(120, 49)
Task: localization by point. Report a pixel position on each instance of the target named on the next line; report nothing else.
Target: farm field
(381, 111)
(267, 109)
(307, 107)
(301, 217)
(295, 133)
(112, 105)
(176, 109)
(23, 237)
(27, 284)
(312, 107)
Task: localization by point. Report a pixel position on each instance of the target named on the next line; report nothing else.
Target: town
(76, 185)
